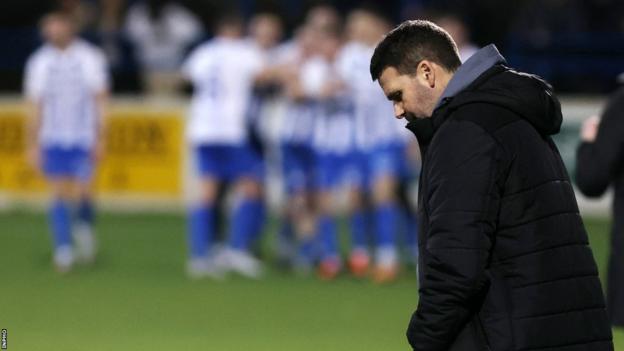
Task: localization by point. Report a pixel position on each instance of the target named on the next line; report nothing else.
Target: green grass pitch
(137, 297)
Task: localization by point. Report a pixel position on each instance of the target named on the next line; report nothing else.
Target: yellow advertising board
(16, 173)
(143, 153)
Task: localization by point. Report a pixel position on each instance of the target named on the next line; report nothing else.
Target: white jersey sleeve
(197, 64)
(34, 79)
(97, 71)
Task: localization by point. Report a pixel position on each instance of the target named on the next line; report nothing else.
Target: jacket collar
(466, 75)
(469, 71)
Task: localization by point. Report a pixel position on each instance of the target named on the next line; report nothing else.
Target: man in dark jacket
(505, 262)
(600, 162)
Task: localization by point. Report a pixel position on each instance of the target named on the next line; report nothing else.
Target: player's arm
(33, 88)
(33, 124)
(197, 65)
(102, 99)
(598, 160)
(332, 88)
(291, 81)
(100, 85)
(461, 202)
(268, 75)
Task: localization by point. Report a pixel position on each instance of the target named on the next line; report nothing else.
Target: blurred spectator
(458, 30)
(161, 31)
(109, 26)
(108, 33)
(600, 160)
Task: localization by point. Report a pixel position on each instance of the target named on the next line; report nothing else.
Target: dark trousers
(615, 278)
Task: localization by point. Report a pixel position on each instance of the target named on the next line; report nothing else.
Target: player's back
(222, 72)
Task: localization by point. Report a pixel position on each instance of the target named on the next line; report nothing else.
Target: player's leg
(301, 212)
(285, 249)
(247, 218)
(408, 172)
(245, 227)
(201, 215)
(56, 170)
(297, 234)
(330, 263)
(327, 228)
(409, 221)
(249, 213)
(359, 258)
(386, 213)
(83, 230)
(285, 241)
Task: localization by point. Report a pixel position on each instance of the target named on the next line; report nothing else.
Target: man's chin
(410, 118)
(413, 118)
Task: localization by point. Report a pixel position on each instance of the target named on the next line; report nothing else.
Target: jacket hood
(527, 95)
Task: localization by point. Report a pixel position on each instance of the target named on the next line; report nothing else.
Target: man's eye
(396, 97)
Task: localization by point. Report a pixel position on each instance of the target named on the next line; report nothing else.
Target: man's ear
(426, 73)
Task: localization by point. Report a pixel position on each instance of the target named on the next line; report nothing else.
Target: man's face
(267, 31)
(412, 96)
(58, 31)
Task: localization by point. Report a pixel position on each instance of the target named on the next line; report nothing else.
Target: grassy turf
(137, 298)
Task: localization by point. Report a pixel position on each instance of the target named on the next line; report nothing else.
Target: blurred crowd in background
(335, 134)
(575, 44)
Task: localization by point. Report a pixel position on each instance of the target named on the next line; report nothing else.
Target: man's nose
(398, 110)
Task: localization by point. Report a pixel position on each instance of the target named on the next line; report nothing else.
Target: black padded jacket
(504, 261)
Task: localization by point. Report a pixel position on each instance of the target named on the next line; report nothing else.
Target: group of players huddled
(336, 137)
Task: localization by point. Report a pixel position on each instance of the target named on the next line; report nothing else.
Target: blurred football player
(66, 86)
(381, 150)
(223, 72)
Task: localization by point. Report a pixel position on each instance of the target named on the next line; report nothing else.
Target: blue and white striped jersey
(65, 84)
(298, 125)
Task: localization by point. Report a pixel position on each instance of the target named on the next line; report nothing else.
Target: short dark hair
(229, 17)
(411, 42)
(57, 15)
